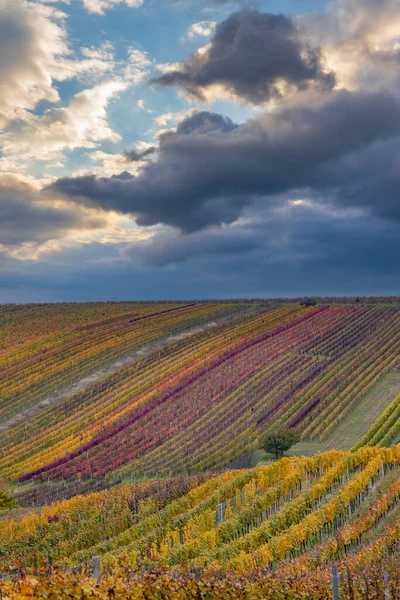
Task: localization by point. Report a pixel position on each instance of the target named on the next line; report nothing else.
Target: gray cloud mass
(302, 199)
(204, 122)
(202, 179)
(137, 155)
(25, 219)
(251, 54)
(300, 251)
(171, 248)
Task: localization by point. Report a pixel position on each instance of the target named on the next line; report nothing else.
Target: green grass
(365, 413)
(301, 449)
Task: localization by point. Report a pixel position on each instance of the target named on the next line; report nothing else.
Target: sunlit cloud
(81, 124)
(202, 28)
(360, 40)
(100, 6)
(106, 164)
(34, 53)
(30, 221)
(138, 66)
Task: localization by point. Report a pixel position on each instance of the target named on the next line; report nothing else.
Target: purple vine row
(174, 392)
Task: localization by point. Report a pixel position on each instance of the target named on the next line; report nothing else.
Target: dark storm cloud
(172, 247)
(383, 196)
(307, 248)
(204, 122)
(250, 54)
(23, 219)
(200, 122)
(295, 250)
(137, 155)
(200, 179)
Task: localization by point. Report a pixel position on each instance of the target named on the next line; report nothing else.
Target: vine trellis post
(335, 582)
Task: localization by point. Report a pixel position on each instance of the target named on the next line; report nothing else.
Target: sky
(181, 149)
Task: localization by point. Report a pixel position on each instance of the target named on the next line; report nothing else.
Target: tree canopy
(280, 441)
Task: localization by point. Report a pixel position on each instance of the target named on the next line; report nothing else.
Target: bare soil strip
(97, 376)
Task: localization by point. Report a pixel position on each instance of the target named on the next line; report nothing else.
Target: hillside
(97, 393)
(256, 531)
(122, 427)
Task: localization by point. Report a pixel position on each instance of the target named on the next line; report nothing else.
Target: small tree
(309, 302)
(6, 501)
(279, 441)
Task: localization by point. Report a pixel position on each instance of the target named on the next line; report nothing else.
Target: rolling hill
(123, 427)
(166, 389)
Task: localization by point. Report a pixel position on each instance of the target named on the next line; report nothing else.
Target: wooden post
(387, 586)
(220, 512)
(48, 561)
(335, 582)
(96, 567)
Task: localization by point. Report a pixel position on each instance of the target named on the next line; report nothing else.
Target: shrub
(6, 501)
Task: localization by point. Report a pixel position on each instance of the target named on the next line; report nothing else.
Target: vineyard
(201, 383)
(251, 530)
(124, 427)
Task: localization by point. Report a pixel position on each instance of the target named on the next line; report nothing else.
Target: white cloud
(359, 40)
(202, 28)
(32, 38)
(81, 124)
(35, 52)
(99, 6)
(141, 105)
(167, 122)
(107, 164)
(174, 117)
(105, 52)
(95, 62)
(168, 67)
(138, 66)
(163, 119)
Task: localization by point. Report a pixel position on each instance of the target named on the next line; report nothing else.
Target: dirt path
(97, 376)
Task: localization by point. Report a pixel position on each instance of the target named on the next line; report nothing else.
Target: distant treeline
(298, 300)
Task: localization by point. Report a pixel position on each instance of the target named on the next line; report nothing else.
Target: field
(123, 427)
